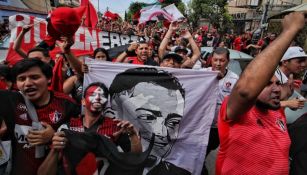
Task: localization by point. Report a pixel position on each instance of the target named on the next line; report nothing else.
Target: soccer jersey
(104, 126)
(226, 85)
(258, 143)
(59, 109)
(135, 60)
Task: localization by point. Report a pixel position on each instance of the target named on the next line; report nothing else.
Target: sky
(118, 6)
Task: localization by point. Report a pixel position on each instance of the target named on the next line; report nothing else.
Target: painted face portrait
(95, 99)
(153, 108)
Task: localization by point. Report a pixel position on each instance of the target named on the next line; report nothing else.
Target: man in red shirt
(238, 43)
(142, 51)
(252, 126)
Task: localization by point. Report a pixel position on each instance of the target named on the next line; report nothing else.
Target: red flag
(137, 15)
(110, 15)
(57, 78)
(91, 17)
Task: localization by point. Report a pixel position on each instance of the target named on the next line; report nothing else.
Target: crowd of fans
(4, 28)
(175, 45)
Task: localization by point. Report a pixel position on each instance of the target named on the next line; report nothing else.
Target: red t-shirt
(135, 60)
(258, 143)
(238, 44)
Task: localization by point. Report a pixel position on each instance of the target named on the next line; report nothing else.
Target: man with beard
(94, 100)
(252, 126)
(142, 51)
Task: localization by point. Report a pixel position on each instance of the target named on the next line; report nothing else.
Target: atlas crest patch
(55, 117)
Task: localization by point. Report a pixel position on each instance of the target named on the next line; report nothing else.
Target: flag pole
(98, 6)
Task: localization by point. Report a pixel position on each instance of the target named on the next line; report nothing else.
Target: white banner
(174, 12)
(178, 105)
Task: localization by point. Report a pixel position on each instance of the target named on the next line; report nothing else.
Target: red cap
(65, 21)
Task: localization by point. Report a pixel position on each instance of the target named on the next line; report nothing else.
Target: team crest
(281, 125)
(55, 117)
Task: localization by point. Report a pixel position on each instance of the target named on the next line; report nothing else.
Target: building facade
(248, 14)
(30, 7)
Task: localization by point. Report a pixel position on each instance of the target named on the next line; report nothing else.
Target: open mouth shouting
(30, 91)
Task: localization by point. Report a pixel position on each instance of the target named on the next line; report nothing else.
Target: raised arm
(72, 60)
(121, 58)
(17, 43)
(258, 73)
(195, 50)
(161, 51)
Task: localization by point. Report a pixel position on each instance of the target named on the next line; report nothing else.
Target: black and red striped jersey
(59, 110)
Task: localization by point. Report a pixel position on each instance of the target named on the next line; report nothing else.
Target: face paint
(95, 99)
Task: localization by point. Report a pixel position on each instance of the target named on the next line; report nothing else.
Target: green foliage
(213, 10)
(133, 8)
(136, 6)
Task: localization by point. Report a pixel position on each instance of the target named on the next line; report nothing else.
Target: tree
(213, 10)
(126, 17)
(134, 8)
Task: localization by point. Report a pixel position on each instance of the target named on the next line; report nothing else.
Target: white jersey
(226, 85)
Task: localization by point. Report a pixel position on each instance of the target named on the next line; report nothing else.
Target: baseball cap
(64, 21)
(173, 55)
(180, 48)
(294, 52)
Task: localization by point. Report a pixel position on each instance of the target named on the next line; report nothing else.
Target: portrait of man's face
(153, 109)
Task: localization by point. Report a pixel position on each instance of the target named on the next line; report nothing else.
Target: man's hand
(3, 128)
(26, 28)
(186, 34)
(40, 137)
(293, 21)
(125, 127)
(84, 67)
(59, 141)
(173, 26)
(65, 43)
(293, 104)
(133, 46)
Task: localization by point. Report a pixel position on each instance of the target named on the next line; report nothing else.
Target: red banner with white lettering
(86, 39)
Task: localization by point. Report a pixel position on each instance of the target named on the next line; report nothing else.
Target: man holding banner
(121, 132)
(171, 103)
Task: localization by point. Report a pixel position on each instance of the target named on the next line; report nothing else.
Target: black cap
(174, 56)
(181, 49)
